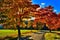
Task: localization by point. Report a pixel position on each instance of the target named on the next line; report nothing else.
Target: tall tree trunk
(19, 33)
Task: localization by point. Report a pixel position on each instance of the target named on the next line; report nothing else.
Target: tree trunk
(19, 33)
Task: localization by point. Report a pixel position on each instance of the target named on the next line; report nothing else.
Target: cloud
(42, 3)
(55, 10)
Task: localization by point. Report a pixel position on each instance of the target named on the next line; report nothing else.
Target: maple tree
(48, 16)
(18, 11)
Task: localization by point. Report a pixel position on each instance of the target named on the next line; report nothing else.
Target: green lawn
(4, 33)
(14, 33)
(52, 36)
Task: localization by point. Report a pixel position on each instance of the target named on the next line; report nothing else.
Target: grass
(52, 36)
(14, 33)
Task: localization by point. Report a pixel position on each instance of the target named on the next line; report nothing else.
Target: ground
(35, 34)
(14, 33)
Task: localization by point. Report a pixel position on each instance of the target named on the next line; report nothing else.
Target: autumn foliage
(16, 10)
(48, 16)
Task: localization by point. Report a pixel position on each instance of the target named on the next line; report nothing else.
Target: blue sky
(54, 3)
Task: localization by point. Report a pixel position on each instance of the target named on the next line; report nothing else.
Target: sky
(54, 3)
